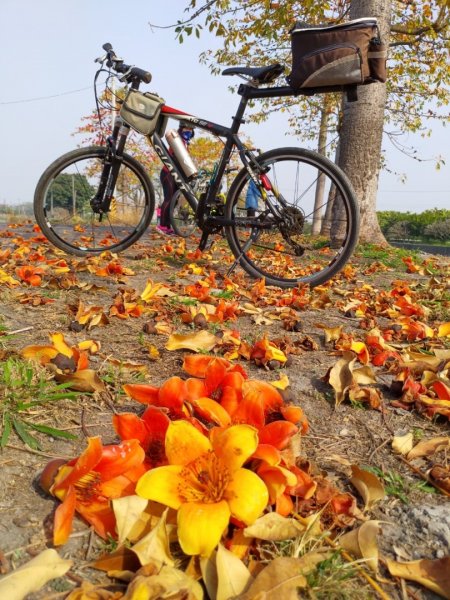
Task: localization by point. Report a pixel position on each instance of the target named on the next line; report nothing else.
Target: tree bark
(362, 130)
(320, 185)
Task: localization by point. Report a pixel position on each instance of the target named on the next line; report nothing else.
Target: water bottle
(181, 153)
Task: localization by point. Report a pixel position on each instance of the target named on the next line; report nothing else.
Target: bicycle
(306, 225)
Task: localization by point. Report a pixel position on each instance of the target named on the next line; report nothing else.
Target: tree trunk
(320, 185)
(362, 130)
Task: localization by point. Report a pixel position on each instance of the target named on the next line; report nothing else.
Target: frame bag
(141, 111)
(348, 53)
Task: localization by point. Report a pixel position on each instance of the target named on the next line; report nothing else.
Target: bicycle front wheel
(181, 215)
(315, 228)
(62, 203)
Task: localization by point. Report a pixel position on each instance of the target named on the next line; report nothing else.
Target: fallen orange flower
(173, 396)
(150, 430)
(30, 274)
(206, 483)
(65, 357)
(170, 395)
(88, 483)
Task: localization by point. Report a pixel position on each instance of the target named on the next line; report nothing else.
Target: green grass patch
(387, 255)
(24, 390)
(395, 485)
(336, 579)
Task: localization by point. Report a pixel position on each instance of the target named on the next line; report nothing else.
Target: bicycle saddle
(259, 74)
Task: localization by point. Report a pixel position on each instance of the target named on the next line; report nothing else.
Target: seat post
(237, 119)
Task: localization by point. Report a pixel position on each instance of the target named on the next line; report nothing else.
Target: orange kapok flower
(206, 483)
(150, 430)
(30, 274)
(88, 483)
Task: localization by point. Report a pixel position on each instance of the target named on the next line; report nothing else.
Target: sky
(47, 52)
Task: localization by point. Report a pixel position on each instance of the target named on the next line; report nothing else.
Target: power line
(417, 191)
(89, 87)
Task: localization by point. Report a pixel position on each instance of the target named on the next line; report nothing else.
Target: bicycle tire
(71, 224)
(181, 215)
(272, 256)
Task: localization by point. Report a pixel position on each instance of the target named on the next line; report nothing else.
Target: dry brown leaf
(282, 578)
(261, 320)
(197, 342)
(339, 459)
(155, 545)
(34, 574)
(428, 447)
(432, 574)
(85, 380)
(128, 511)
(133, 367)
(362, 543)
(122, 559)
(233, 577)
(364, 375)
(402, 444)
(368, 485)
(274, 527)
(209, 574)
(340, 376)
(331, 333)
(440, 475)
(368, 395)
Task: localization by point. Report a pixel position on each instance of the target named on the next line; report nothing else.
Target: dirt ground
(415, 522)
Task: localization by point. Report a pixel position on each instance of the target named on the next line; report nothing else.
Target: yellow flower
(206, 483)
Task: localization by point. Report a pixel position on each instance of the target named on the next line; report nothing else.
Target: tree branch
(438, 25)
(191, 18)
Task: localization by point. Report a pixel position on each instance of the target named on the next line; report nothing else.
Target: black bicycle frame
(247, 157)
(118, 138)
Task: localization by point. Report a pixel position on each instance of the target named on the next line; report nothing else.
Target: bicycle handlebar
(130, 74)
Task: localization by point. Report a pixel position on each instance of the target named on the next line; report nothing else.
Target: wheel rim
(317, 222)
(68, 211)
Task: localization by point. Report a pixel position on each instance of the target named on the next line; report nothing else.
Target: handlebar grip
(144, 76)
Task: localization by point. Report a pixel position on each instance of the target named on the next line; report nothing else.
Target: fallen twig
(38, 452)
(18, 330)
(360, 570)
(424, 476)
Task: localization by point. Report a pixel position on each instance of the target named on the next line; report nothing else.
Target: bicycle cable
(98, 101)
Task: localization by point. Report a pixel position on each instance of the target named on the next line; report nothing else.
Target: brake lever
(125, 75)
(101, 59)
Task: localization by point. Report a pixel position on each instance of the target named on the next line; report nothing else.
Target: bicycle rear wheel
(318, 228)
(181, 215)
(62, 203)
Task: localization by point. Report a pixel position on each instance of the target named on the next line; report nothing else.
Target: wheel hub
(293, 221)
(292, 225)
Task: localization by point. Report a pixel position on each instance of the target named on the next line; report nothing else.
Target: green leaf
(6, 430)
(24, 435)
(52, 431)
